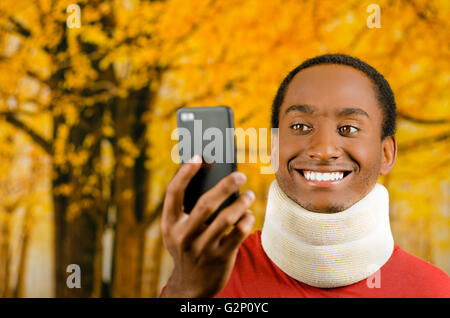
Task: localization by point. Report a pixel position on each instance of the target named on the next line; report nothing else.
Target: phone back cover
(205, 127)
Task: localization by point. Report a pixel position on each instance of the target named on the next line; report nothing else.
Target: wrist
(175, 288)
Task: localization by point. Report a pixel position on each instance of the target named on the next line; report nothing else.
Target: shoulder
(413, 263)
(419, 275)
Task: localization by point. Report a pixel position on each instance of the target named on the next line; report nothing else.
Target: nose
(324, 145)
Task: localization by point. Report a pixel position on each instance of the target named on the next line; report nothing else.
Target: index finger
(173, 201)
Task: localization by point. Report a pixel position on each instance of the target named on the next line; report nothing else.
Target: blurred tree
(87, 105)
(18, 161)
(96, 84)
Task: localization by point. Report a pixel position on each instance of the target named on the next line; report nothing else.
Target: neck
(328, 250)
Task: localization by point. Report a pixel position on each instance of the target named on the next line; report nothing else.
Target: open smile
(323, 178)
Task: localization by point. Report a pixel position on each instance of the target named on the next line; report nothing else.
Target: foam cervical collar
(328, 250)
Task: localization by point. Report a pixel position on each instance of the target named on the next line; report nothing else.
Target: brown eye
(299, 127)
(348, 130)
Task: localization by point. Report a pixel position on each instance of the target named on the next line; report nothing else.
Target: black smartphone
(208, 132)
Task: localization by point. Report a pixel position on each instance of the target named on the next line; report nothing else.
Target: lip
(324, 184)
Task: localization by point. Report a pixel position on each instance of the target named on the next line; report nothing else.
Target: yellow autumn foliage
(61, 90)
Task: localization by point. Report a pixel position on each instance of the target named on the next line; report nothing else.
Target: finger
(173, 201)
(230, 216)
(232, 241)
(212, 199)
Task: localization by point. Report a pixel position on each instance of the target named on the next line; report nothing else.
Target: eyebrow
(308, 109)
(351, 111)
(301, 108)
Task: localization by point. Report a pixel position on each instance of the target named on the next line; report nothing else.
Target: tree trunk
(154, 251)
(4, 254)
(19, 288)
(77, 235)
(130, 195)
(60, 203)
(75, 243)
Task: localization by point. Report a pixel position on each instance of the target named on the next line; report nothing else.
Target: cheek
(368, 160)
(288, 149)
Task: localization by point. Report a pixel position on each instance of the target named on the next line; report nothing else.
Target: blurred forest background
(86, 116)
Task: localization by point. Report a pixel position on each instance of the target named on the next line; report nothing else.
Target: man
(326, 231)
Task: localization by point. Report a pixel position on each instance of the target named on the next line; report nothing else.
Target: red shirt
(404, 275)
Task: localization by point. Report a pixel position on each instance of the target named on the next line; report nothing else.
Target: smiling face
(330, 121)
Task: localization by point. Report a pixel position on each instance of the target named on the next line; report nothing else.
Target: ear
(388, 154)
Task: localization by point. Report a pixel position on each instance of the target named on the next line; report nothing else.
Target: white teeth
(307, 175)
(318, 176)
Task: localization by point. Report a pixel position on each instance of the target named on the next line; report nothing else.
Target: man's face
(330, 122)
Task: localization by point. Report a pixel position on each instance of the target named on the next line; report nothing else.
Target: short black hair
(383, 91)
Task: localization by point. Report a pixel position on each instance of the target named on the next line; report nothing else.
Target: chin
(321, 208)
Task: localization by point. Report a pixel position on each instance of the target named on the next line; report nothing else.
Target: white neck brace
(328, 250)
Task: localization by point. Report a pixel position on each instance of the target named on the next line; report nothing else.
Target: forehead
(330, 87)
